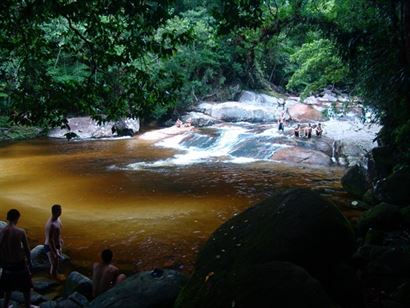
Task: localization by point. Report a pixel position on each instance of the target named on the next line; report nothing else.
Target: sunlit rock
(301, 156)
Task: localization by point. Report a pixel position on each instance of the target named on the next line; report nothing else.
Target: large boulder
(77, 282)
(295, 225)
(86, 128)
(198, 119)
(40, 260)
(395, 188)
(304, 113)
(158, 288)
(355, 182)
(383, 217)
(2, 224)
(126, 127)
(238, 112)
(301, 156)
(273, 284)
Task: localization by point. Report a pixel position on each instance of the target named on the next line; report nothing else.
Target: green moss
(16, 132)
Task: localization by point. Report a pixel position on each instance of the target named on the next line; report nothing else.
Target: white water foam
(228, 139)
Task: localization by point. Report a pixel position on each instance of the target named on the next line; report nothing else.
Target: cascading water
(239, 143)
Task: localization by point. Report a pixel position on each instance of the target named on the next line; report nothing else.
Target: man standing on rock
(15, 259)
(281, 122)
(53, 242)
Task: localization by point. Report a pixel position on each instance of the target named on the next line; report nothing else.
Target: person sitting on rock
(178, 123)
(319, 130)
(297, 131)
(105, 275)
(188, 123)
(281, 122)
(15, 260)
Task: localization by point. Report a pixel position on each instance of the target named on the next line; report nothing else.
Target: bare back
(12, 244)
(104, 277)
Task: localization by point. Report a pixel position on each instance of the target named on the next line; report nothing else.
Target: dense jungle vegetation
(153, 59)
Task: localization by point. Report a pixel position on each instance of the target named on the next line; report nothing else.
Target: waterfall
(239, 143)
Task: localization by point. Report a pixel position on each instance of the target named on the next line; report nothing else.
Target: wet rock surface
(157, 288)
(296, 226)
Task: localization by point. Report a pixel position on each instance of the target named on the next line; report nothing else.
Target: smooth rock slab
(40, 260)
(77, 282)
(43, 284)
(301, 156)
(143, 290)
(35, 297)
(274, 284)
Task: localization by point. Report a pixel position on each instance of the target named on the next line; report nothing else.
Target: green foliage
(318, 66)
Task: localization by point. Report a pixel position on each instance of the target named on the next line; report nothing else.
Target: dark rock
(78, 299)
(295, 225)
(381, 217)
(126, 127)
(12, 303)
(49, 304)
(402, 295)
(381, 162)
(77, 282)
(355, 182)
(395, 188)
(143, 290)
(405, 214)
(43, 285)
(281, 284)
(35, 297)
(301, 156)
(40, 260)
(369, 197)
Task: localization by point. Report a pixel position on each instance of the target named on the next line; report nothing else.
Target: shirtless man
(281, 122)
(16, 260)
(297, 131)
(105, 275)
(53, 242)
(319, 130)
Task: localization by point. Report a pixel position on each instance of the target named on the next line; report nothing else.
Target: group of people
(299, 131)
(180, 124)
(306, 131)
(16, 264)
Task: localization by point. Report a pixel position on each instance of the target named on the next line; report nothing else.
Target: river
(150, 203)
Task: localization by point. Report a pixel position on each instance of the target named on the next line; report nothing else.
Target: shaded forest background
(154, 59)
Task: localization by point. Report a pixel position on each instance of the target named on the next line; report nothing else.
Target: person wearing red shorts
(15, 260)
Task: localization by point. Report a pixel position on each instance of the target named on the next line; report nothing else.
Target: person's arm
(26, 249)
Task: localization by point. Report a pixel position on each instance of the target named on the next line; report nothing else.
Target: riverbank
(10, 132)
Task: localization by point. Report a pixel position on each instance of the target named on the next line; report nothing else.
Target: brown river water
(149, 218)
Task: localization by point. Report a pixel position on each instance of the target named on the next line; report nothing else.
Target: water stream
(153, 199)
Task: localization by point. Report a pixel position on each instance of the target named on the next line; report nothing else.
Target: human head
(56, 210)
(13, 216)
(319, 124)
(310, 125)
(106, 256)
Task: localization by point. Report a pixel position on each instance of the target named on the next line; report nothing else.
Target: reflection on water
(149, 218)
